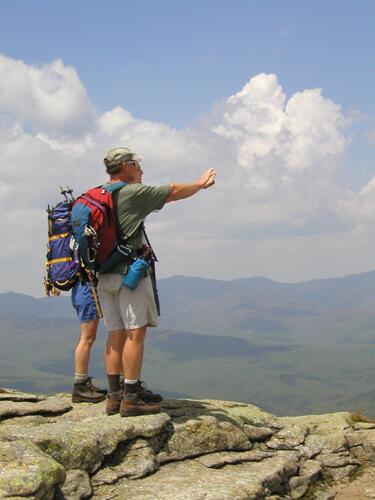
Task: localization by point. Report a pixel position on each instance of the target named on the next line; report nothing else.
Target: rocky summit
(51, 448)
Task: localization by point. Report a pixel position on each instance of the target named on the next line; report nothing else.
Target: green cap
(116, 156)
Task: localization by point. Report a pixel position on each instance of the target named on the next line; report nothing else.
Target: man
(86, 303)
(128, 313)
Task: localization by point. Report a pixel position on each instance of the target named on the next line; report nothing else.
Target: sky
(277, 96)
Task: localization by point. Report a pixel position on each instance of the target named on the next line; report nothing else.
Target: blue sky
(190, 84)
(170, 61)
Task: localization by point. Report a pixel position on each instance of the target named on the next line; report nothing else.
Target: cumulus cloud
(49, 97)
(279, 164)
(359, 208)
(290, 149)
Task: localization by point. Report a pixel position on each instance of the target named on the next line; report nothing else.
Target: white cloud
(49, 97)
(278, 140)
(279, 183)
(290, 150)
(359, 208)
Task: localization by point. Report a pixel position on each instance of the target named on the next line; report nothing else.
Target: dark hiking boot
(85, 393)
(113, 403)
(146, 394)
(133, 406)
(96, 389)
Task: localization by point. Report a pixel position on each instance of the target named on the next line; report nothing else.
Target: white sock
(130, 381)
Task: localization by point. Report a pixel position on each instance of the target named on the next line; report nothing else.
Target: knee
(88, 341)
(116, 340)
(89, 329)
(135, 336)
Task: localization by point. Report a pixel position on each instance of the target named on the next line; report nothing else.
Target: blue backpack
(63, 263)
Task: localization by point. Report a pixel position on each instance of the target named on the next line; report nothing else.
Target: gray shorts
(124, 308)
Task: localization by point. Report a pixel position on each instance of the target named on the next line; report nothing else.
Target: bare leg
(113, 351)
(133, 352)
(84, 391)
(83, 348)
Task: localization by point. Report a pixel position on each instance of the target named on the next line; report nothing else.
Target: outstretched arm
(181, 191)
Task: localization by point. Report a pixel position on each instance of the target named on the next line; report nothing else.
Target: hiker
(127, 312)
(86, 304)
(65, 271)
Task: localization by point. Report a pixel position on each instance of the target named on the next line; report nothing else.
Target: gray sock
(114, 384)
(80, 378)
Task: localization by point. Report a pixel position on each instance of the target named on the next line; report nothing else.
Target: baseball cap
(116, 156)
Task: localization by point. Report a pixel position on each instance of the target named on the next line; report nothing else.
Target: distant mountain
(349, 290)
(47, 307)
(303, 312)
(296, 298)
(289, 348)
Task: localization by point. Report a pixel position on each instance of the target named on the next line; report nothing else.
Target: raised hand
(208, 178)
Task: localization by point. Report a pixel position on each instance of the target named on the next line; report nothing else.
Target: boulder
(51, 448)
(25, 471)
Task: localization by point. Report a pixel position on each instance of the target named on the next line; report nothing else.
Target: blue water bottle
(135, 273)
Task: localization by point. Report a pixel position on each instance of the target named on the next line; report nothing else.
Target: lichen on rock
(51, 448)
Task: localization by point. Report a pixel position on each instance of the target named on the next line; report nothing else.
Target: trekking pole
(94, 292)
(63, 192)
(49, 212)
(70, 193)
(153, 271)
(149, 244)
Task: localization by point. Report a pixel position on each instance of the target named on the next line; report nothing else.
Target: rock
(27, 471)
(337, 459)
(362, 444)
(240, 413)
(362, 487)
(222, 458)
(77, 486)
(50, 406)
(200, 435)
(309, 472)
(12, 395)
(190, 480)
(341, 473)
(288, 438)
(83, 445)
(363, 425)
(312, 446)
(192, 450)
(135, 459)
(326, 422)
(27, 420)
(258, 433)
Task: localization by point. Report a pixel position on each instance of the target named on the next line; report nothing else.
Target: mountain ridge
(286, 347)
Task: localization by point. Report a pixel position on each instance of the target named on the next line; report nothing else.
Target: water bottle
(135, 273)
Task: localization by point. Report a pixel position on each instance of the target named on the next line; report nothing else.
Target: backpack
(62, 264)
(95, 229)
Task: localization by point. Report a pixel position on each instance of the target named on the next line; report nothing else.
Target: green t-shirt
(134, 202)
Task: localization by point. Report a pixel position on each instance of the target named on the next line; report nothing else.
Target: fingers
(212, 174)
(209, 178)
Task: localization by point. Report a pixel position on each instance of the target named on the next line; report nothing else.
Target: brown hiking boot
(96, 389)
(133, 406)
(85, 393)
(113, 403)
(146, 394)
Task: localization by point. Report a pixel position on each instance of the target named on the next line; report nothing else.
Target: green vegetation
(290, 349)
